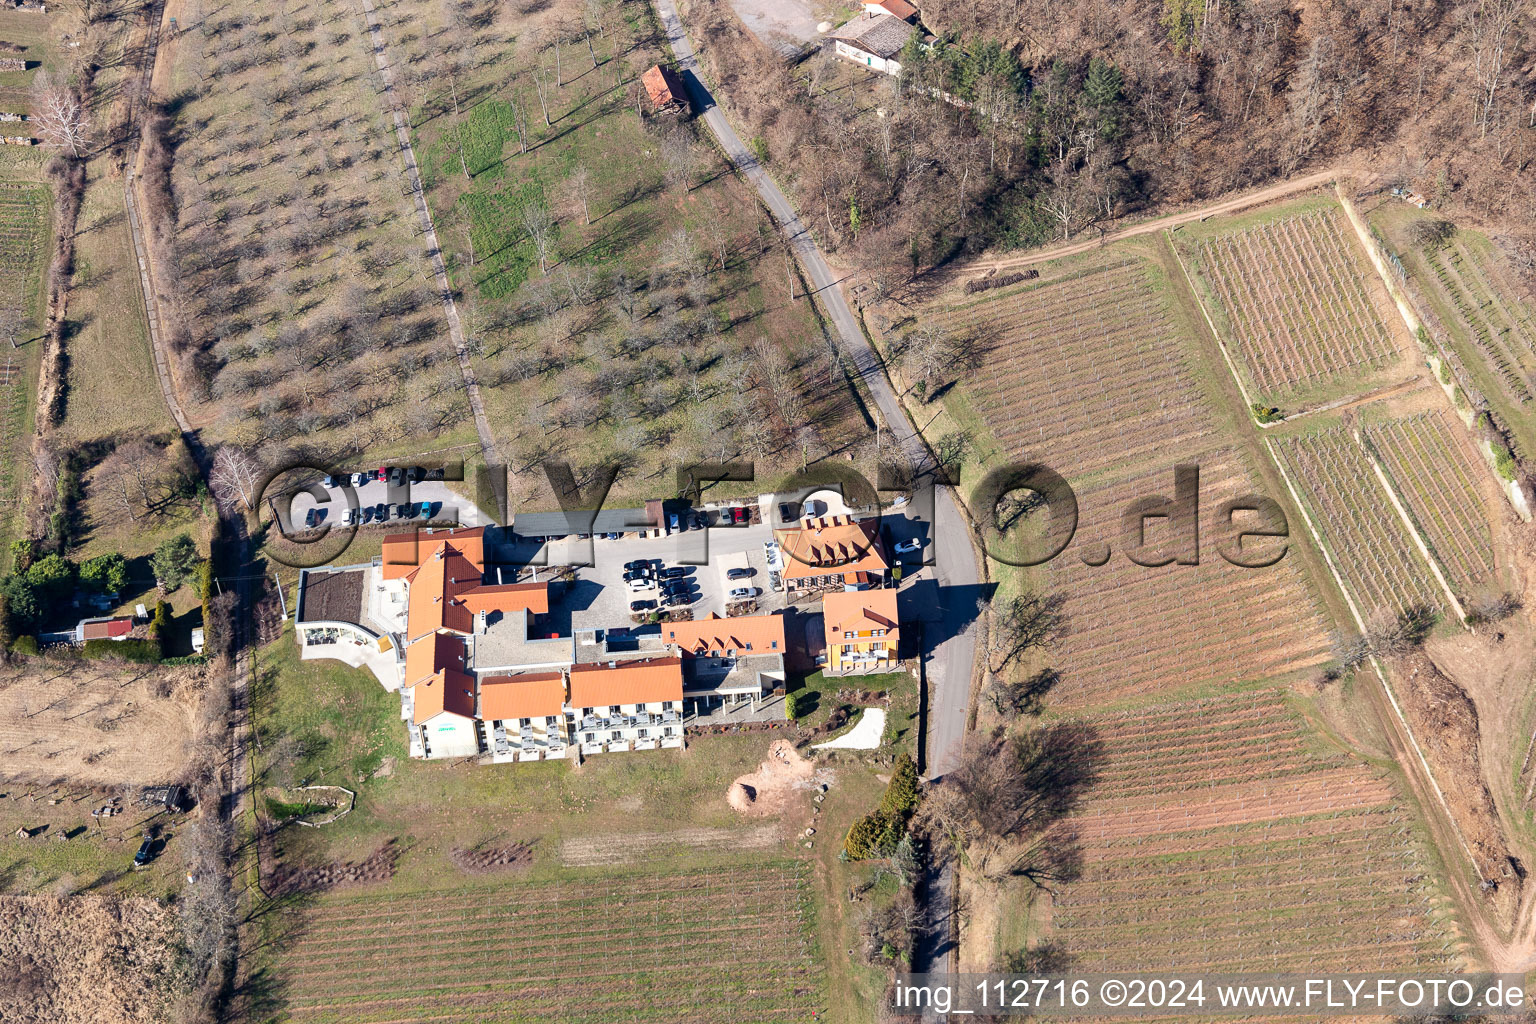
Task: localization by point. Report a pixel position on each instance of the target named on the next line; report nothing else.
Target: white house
(874, 40)
(627, 705)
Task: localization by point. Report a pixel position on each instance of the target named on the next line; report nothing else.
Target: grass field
(660, 329)
(1295, 302)
(301, 274)
(1095, 370)
(1476, 306)
(1366, 536)
(1429, 465)
(1224, 835)
(26, 245)
(730, 945)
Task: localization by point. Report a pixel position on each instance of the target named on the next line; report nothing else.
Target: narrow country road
(950, 642)
(949, 634)
(429, 231)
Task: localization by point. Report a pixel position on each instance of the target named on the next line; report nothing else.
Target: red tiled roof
(757, 634)
(859, 611)
(628, 682)
(109, 628)
(448, 690)
(829, 546)
(403, 552)
(531, 695)
(895, 8)
(509, 597)
(431, 655)
(662, 86)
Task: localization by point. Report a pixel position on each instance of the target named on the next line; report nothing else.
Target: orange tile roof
(759, 634)
(895, 8)
(106, 629)
(403, 552)
(532, 695)
(509, 597)
(628, 682)
(436, 596)
(859, 611)
(662, 85)
(449, 690)
(431, 655)
(833, 545)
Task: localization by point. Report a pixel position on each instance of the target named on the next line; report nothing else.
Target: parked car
(676, 572)
(673, 521)
(381, 512)
(349, 516)
(740, 516)
(429, 509)
(743, 593)
(677, 600)
(740, 574)
(638, 585)
(637, 574)
(146, 851)
(906, 547)
(312, 517)
(417, 474)
(406, 510)
(639, 563)
(786, 512)
(642, 606)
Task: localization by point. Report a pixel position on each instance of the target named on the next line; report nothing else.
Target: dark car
(404, 510)
(311, 517)
(637, 574)
(740, 574)
(676, 600)
(381, 512)
(740, 516)
(641, 606)
(146, 852)
(786, 512)
(639, 563)
(677, 572)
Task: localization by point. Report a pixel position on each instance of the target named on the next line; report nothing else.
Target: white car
(906, 547)
(641, 585)
(743, 593)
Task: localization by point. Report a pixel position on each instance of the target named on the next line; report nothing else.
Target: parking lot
(444, 506)
(601, 597)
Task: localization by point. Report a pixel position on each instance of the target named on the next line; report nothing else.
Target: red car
(739, 515)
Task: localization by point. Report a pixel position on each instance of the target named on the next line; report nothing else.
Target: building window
(523, 723)
(591, 737)
(644, 733)
(666, 705)
(667, 731)
(550, 721)
(773, 645)
(617, 735)
(614, 709)
(847, 634)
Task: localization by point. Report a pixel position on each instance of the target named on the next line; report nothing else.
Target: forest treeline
(1075, 114)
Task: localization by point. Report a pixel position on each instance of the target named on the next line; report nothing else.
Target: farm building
(863, 631)
(874, 40)
(664, 89)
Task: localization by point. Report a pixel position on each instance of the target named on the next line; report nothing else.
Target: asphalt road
(949, 639)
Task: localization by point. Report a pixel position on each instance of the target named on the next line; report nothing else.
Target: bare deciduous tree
(579, 186)
(235, 478)
(62, 120)
(541, 229)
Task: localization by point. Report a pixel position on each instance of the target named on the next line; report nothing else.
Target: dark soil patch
(515, 857)
(378, 866)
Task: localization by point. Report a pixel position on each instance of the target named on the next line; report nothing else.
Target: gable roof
(878, 34)
(448, 691)
(106, 629)
(628, 682)
(403, 552)
(859, 611)
(831, 545)
(436, 594)
(509, 597)
(895, 8)
(431, 655)
(759, 634)
(532, 695)
(662, 85)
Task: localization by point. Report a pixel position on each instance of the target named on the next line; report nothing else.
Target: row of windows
(849, 634)
(643, 734)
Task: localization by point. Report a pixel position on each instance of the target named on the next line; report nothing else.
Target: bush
(174, 561)
(145, 651)
(1266, 413)
(161, 623)
(24, 645)
(879, 832)
(22, 553)
(792, 710)
(1504, 462)
(106, 574)
(1445, 372)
